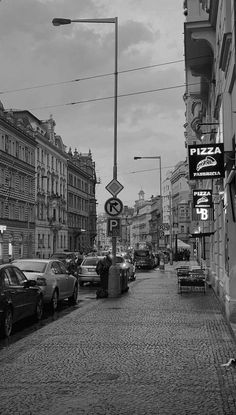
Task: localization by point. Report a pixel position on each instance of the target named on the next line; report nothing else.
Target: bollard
(114, 283)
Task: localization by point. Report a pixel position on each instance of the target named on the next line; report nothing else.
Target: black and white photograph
(117, 207)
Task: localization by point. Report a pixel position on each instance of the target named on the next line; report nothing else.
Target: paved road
(152, 351)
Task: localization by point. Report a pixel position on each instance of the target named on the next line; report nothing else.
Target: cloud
(34, 52)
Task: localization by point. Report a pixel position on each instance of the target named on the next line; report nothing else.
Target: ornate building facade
(17, 188)
(47, 196)
(209, 35)
(81, 202)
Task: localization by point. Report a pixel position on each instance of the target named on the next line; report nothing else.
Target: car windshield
(60, 255)
(30, 266)
(90, 261)
(142, 254)
(119, 259)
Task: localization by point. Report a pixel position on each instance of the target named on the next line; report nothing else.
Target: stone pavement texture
(152, 351)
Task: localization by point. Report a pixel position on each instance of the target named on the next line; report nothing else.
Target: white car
(87, 270)
(51, 275)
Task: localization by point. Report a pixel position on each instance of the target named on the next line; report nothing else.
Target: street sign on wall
(206, 161)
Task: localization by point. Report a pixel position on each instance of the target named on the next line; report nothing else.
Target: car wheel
(73, 298)
(54, 301)
(39, 309)
(7, 322)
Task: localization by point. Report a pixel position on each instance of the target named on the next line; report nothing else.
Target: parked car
(19, 298)
(87, 270)
(144, 259)
(127, 266)
(53, 278)
(69, 259)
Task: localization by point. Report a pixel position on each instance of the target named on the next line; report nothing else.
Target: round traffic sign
(113, 206)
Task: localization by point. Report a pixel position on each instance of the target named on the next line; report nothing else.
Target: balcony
(199, 39)
(54, 224)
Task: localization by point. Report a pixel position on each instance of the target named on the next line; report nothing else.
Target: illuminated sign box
(206, 161)
(202, 198)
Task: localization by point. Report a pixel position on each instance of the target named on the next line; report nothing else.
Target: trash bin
(124, 281)
(114, 281)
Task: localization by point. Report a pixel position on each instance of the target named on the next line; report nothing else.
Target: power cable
(86, 78)
(155, 169)
(112, 97)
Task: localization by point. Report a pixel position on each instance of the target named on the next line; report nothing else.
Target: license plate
(90, 270)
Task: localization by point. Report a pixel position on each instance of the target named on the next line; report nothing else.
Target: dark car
(19, 298)
(144, 259)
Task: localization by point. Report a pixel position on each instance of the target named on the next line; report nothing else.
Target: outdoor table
(191, 279)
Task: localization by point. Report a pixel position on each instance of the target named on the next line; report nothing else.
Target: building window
(17, 149)
(6, 143)
(1, 248)
(26, 154)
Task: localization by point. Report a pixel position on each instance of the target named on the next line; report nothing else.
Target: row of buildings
(210, 130)
(47, 194)
(163, 222)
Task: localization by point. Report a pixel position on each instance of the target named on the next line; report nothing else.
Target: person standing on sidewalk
(102, 269)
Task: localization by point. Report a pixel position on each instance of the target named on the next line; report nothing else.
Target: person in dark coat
(102, 269)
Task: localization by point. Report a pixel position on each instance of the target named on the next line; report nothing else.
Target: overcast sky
(150, 34)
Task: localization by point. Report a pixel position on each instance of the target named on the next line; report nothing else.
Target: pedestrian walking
(102, 269)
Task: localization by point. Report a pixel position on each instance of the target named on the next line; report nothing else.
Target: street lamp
(62, 21)
(159, 158)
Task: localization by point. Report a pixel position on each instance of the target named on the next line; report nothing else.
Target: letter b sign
(203, 213)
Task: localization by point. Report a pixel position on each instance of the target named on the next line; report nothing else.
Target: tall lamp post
(62, 21)
(159, 158)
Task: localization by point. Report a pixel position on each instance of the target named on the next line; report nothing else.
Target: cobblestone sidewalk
(152, 352)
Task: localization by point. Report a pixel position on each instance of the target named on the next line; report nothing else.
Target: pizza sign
(202, 198)
(206, 161)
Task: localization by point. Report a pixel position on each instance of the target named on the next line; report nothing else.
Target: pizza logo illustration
(207, 162)
(202, 200)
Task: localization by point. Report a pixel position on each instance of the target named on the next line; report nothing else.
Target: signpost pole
(115, 127)
(171, 229)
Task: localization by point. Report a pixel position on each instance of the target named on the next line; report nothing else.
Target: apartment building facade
(17, 188)
(51, 232)
(82, 216)
(34, 193)
(210, 97)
